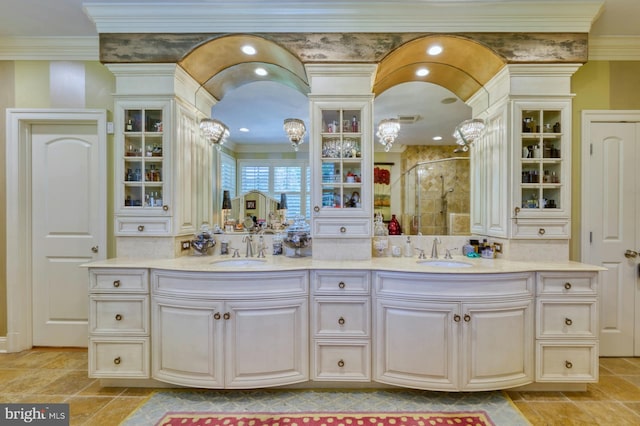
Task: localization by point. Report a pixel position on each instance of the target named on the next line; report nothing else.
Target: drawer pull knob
(467, 318)
(343, 230)
(341, 284)
(541, 231)
(140, 228)
(341, 363)
(165, 208)
(117, 361)
(316, 209)
(116, 283)
(227, 315)
(568, 321)
(118, 317)
(456, 318)
(341, 321)
(216, 315)
(567, 286)
(568, 364)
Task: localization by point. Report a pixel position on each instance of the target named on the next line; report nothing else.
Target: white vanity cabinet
(119, 323)
(230, 329)
(341, 325)
(453, 332)
(567, 327)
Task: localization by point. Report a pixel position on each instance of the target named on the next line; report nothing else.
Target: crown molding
(614, 48)
(49, 48)
(346, 16)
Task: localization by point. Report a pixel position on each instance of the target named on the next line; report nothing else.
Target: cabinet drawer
(574, 283)
(123, 358)
(341, 317)
(541, 229)
(341, 282)
(119, 315)
(341, 228)
(147, 226)
(566, 319)
(118, 280)
(567, 362)
(337, 361)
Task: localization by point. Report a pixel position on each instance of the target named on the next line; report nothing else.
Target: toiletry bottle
(224, 246)
(394, 226)
(408, 248)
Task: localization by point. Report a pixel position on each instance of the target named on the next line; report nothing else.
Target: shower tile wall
(435, 182)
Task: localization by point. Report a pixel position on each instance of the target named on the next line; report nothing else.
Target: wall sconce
(226, 207)
(388, 130)
(295, 129)
(214, 130)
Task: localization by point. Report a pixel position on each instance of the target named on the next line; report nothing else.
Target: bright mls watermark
(34, 414)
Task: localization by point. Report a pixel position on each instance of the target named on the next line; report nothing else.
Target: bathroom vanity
(465, 325)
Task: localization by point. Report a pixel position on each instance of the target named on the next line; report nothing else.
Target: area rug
(485, 408)
(326, 419)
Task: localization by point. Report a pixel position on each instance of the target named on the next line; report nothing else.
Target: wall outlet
(186, 245)
(498, 247)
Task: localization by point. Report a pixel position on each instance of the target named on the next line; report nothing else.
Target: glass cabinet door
(143, 159)
(341, 159)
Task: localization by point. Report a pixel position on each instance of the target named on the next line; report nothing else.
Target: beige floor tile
(603, 412)
(616, 388)
(550, 413)
(543, 396)
(620, 366)
(95, 389)
(69, 361)
(32, 381)
(116, 411)
(68, 384)
(82, 408)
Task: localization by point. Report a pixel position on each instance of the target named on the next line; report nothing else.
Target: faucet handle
(235, 252)
(421, 253)
(448, 253)
(261, 252)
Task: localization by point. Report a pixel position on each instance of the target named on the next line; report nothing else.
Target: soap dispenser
(408, 248)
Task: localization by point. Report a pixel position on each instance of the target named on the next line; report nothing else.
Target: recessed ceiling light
(261, 71)
(422, 72)
(437, 138)
(248, 50)
(243, 129)
(434, 50)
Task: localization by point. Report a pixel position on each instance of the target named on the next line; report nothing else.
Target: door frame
(589, 117)
(18, 211)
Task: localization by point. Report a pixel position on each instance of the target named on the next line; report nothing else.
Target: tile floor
(60, 375)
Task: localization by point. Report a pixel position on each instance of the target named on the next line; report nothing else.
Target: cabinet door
(187, 339)
(497, 345)
(416, 344)
(266, 342)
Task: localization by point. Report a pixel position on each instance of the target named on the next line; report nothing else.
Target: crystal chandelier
(467, 132)
(295, 129)
(215, 131)
(388, 132)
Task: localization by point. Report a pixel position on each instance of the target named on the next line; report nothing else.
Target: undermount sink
(239, 262)
(445, 263)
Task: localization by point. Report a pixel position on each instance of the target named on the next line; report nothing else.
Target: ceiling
(262, 106)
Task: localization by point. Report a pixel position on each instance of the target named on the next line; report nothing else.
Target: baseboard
(3, 345)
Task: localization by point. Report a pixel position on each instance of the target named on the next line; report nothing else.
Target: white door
(611, 224)
(68, 228)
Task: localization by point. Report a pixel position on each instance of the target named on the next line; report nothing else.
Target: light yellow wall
(597, 85)
(26, 84)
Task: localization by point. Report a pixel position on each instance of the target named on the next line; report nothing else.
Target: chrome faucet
(249, 240)
(434, 248)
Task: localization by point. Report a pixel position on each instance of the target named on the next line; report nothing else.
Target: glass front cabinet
(341, 156)
(542, 152)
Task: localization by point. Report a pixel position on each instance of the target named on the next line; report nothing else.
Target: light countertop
(400, 264)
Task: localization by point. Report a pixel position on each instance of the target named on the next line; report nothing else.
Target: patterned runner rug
(389, 407)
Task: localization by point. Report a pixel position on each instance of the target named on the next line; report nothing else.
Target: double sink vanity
(453, 325)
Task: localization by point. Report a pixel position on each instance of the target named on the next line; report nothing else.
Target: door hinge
(590, 237)
(591, 149)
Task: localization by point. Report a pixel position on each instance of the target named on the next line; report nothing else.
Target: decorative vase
(394, 226)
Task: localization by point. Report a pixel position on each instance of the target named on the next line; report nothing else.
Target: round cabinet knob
(541, 231)
(316, 209)
(140, 228)
(568, 321)
(118, 317)
(456, 318)
(568, 364)
(341, 284)
(216, 315)
(116, 283)
(165, 208)
(467, 318)
(341, 321)
(227, 315)
(630, 254)
(567, 286)
(341, 363)
(343, 230)
(117, 361)
(94, 249)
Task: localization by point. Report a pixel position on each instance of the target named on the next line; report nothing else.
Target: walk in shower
(436, 197)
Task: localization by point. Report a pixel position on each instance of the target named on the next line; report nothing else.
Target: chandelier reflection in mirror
(295, 129)
(467, 132)
(388, 132)
(215, 131)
